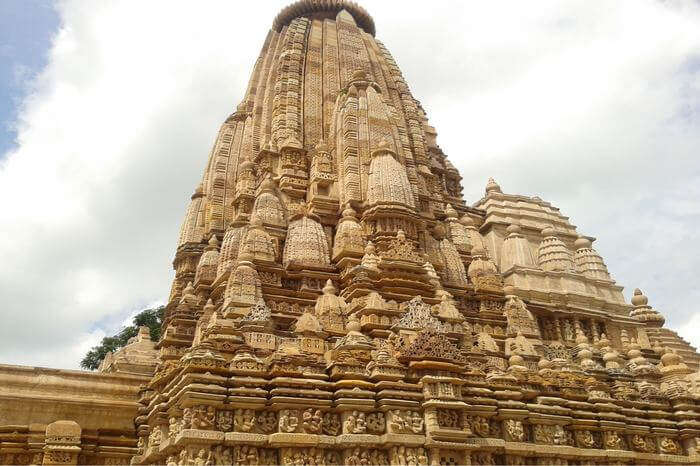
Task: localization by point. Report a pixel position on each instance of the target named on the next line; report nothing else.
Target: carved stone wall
(336, 301)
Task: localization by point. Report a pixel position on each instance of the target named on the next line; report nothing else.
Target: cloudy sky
(109, 109)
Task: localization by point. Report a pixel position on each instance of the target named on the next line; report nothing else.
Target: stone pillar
(594, 330)
(557, 329)
(62, 444)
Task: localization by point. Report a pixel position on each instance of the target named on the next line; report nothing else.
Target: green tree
(151, 318)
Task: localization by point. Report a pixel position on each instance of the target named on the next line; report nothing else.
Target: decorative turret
(229, 248)
(588, 261)
(244, 288)
(370, 260)
(643, 312)
(553, 255)
(583, 350)
(268, 209)
(454, 268)
(349, 238)
(330, 309)
(520, 319)
(306, 245)
(293, 166)
(475, 238)
(483, 272)
(388, 183)
(458, 232)
(208, 263)
(672, 366)
(637, 363)
(516, 250)
(193, 226)
(247, 180)
(308, 325)
(257, 244)
(354, 339)
(188, 296)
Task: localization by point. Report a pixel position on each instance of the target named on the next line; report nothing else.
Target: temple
(337, 301)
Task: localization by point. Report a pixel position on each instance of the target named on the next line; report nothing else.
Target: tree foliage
(151, 318)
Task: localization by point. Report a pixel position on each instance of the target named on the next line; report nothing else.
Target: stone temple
(336, 301)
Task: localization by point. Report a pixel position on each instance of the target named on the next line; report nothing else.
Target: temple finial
(493, 187)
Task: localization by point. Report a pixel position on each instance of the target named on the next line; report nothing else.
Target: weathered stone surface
(336, 301)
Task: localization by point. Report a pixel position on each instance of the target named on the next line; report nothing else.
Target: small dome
(353, 323)
(388, 182)
(669, 358)
(588, 261)
(553, 255)
(349, 236)
(513, 228)
(516, 250)
(329, 302)
(466, 220)
(246, 165)
(480, 265)
(257, 244)
(454, 268)
(458, 233)
(306, 243)
(208, 263)
(450, 212)
(492, 187)
(244, 287)
(307, 323)
(268, 185)
(229, 248)
(439, 231)
(643, 312)
(582, 243)
(638, 299)
(268, 209)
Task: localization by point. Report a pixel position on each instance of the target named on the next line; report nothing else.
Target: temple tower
(336, 301)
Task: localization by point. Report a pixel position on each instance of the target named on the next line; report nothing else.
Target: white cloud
(590, 105)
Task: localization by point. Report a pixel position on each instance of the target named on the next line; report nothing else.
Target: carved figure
(266, 422)
(331, 424)
(515, 431)
(480, 426)
(203, 417)
(312, 421)
(289, 420)
(612, 440)
(376, 423)
(224, 421)
(639, 443)
(668, 446)
(448, 418)
(584, 439)
(244, 420)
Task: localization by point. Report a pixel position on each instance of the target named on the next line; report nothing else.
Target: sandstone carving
(336, 301)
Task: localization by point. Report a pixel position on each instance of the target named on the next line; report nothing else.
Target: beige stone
(336, 301)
